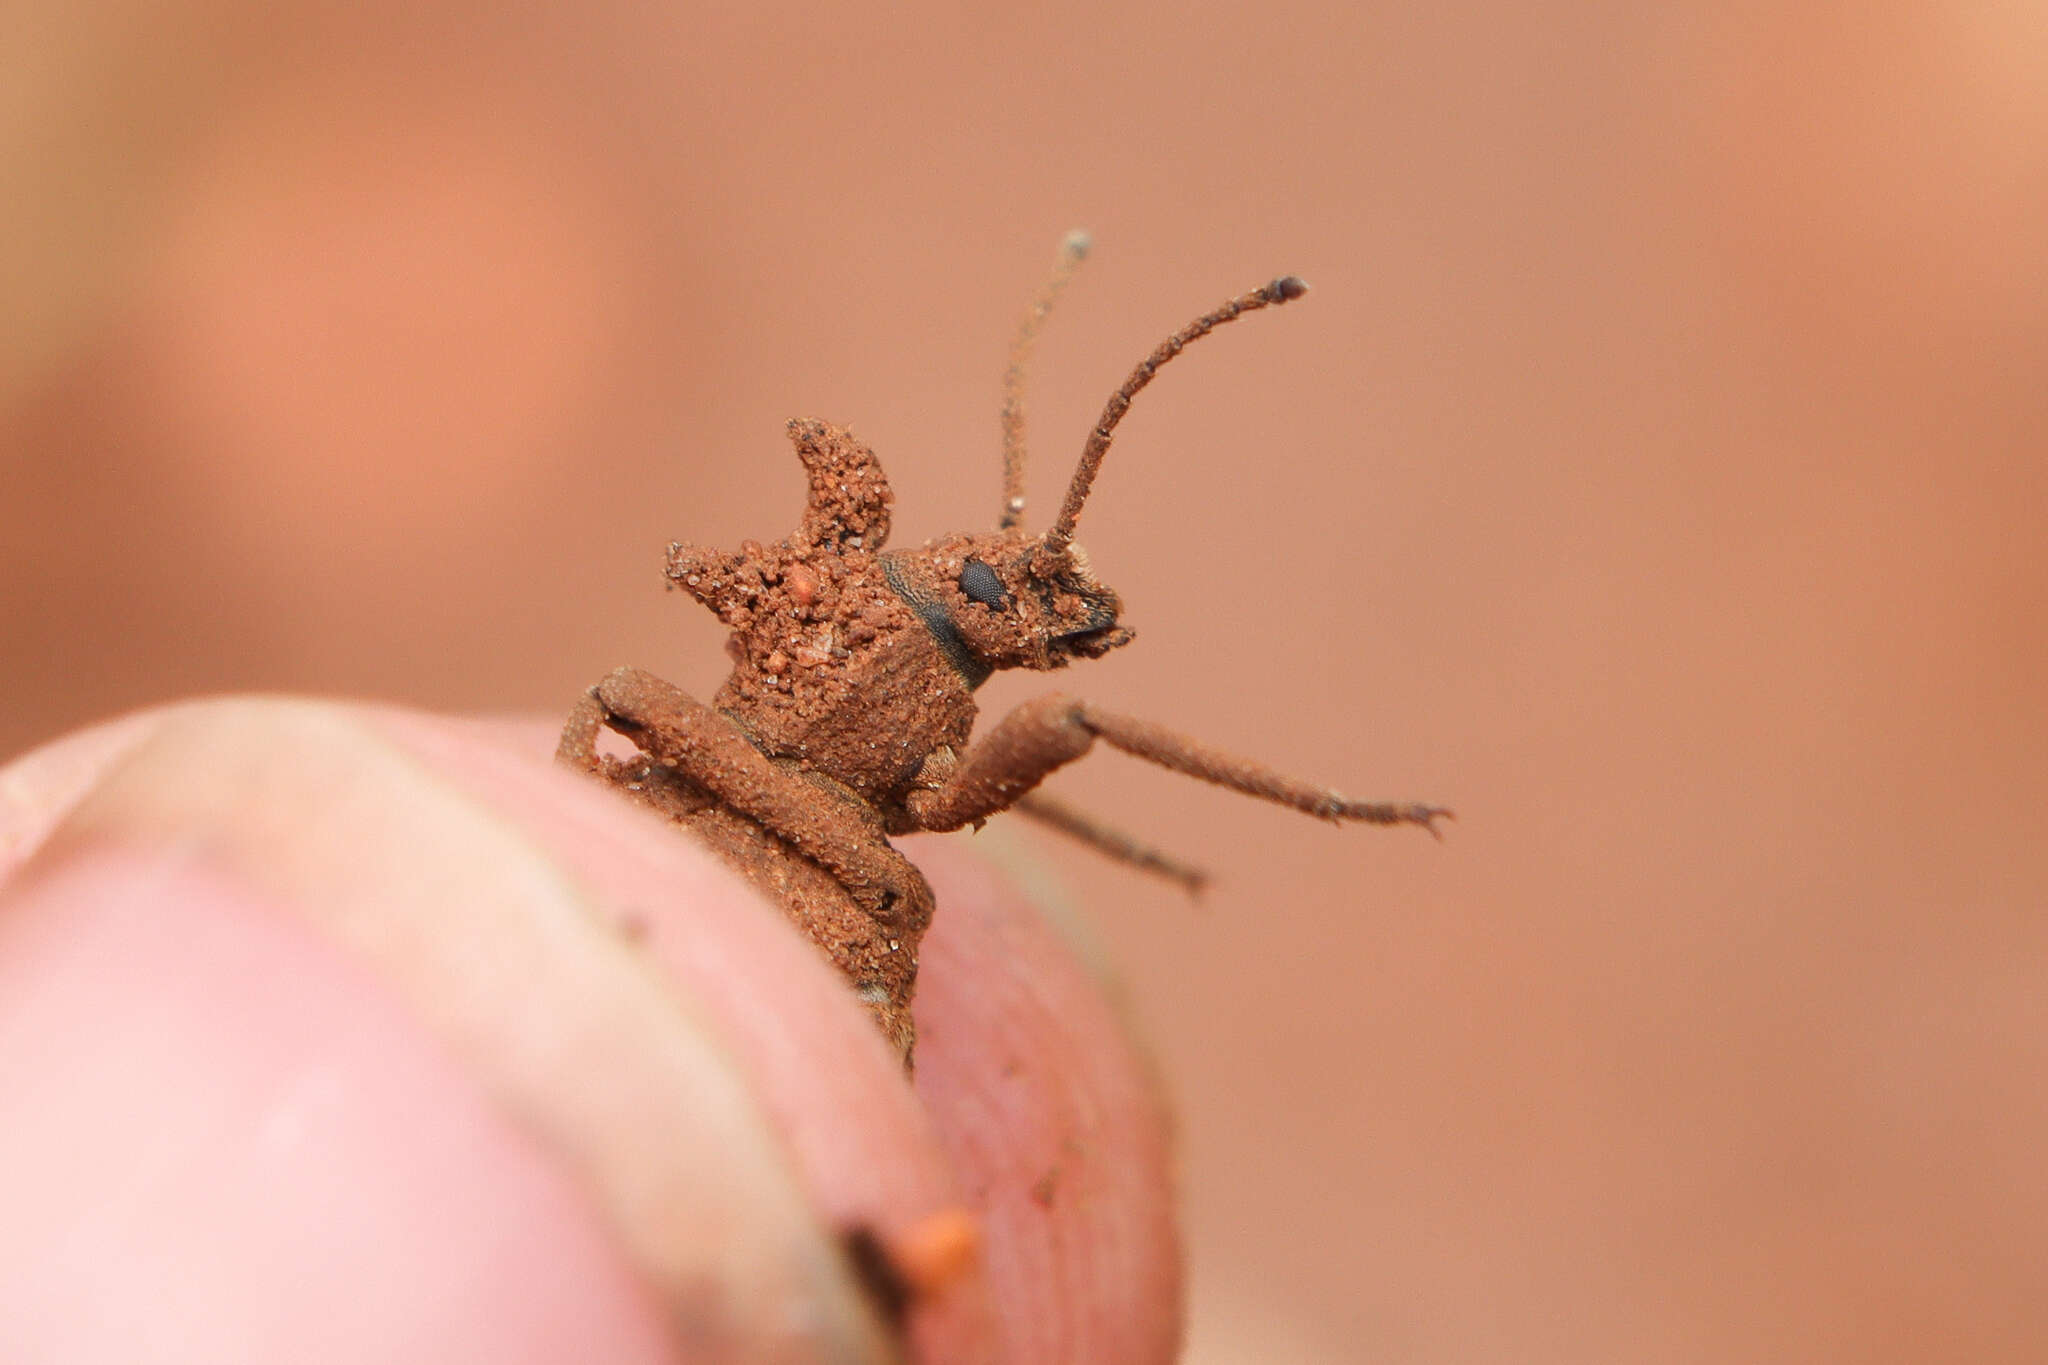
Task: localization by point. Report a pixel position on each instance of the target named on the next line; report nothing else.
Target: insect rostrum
(847, 715)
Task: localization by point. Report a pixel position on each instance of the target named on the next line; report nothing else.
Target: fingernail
(38, 787)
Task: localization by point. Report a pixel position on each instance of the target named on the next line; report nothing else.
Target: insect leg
(1052, 731)
(1109, 840)
(1157, 744)
(708, 749)
(578, 746)
(1026, 745)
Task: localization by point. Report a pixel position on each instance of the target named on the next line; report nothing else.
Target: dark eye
(980, 584)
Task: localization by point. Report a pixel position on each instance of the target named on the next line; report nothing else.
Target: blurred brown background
(1656, 474)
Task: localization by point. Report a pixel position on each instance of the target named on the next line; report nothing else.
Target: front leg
(710, 751)
(1050, 732)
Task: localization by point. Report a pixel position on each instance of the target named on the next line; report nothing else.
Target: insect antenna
(1072, 252)
(1282, 290)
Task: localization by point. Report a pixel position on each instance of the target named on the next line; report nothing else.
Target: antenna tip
(1077, 244)
(1288, 287)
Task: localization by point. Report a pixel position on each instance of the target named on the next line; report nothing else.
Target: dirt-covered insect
(848, 712)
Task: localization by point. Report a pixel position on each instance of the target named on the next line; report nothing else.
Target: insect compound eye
(981, 585)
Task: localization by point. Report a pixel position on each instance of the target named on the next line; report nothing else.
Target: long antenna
(1073, 251)
(1282, 290)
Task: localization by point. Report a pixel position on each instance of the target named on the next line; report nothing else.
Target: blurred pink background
(1657, 474)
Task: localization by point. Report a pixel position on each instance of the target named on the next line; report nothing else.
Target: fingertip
(500, 955)
(1037, 1110)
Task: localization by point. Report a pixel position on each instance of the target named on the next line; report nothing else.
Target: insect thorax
(833, 669)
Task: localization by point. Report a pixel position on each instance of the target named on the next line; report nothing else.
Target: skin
(340, 1033)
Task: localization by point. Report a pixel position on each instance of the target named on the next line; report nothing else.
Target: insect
(848, 713)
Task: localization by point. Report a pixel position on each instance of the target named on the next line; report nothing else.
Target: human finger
(1078, 1228)
(516, 1127)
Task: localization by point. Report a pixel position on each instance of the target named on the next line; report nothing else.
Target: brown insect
(847, 715)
